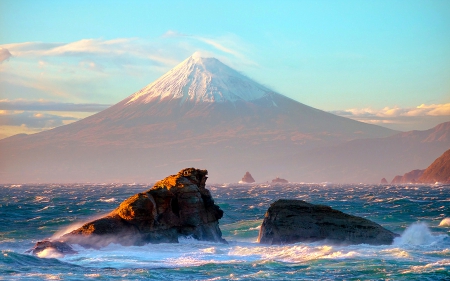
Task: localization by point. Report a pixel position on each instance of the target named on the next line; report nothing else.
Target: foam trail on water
(416, 234)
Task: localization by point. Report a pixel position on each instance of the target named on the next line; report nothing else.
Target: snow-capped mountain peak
(200, 79)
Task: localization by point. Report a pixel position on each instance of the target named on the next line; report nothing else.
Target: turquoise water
(32, 213)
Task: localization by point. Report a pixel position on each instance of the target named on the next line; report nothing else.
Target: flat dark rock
(291, 221)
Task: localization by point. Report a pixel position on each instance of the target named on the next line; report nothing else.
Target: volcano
(201, 113)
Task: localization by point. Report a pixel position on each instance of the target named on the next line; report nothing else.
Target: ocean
(420, 213)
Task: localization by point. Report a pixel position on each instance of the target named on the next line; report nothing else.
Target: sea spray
(74, 226)
(416, 234)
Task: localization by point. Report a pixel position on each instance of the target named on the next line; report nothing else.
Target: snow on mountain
(200, 80)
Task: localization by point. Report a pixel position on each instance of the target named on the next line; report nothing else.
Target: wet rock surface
(291, 221)
(57, 246)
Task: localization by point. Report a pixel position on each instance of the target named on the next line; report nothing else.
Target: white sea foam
(109, 200)
(293, 253)
(430, 267)
(50, 253)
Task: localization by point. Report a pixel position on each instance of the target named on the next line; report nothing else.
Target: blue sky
(383, 62)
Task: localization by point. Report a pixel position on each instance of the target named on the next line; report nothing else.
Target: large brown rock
(291, 221)
(178, 205)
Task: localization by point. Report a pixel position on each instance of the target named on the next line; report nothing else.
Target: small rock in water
(291, 221)
(279, 180)
(60, 247)
(248, 178)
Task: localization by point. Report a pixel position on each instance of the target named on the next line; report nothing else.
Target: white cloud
(419, 117)
(394, 112)
(35, 120)
(43, 105)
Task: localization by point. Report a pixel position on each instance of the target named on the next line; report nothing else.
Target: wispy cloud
(227, 44)
(42, 105)
(423, 116)
(116, 48)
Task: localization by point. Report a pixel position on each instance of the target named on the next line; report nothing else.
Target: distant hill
(410, 177)
(367, 160)
(438, 171)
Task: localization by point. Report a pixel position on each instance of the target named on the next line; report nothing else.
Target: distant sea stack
(178, 205)
(438, 171)
(292, 221)
(279, 180)
(248, 178)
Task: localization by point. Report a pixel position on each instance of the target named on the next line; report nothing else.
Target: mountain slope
(201, 113)
(438, 171)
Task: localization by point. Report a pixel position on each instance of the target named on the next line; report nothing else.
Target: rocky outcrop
(247, 178)
(396, 180)
(291, 221)
(384, 181)
(438, 171)
(178, 205)
(279, 180)
(56, 246)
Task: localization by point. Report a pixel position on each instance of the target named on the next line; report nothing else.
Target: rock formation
(410, 177)
(291, 221)
(279, 180)
(178, 205)
(396, 180)
(438, 171)
(247, 178)
(384, 181)
(57, 246)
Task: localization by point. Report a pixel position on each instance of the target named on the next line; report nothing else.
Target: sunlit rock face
(291, 221)
(438, 171)
(178, 205)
